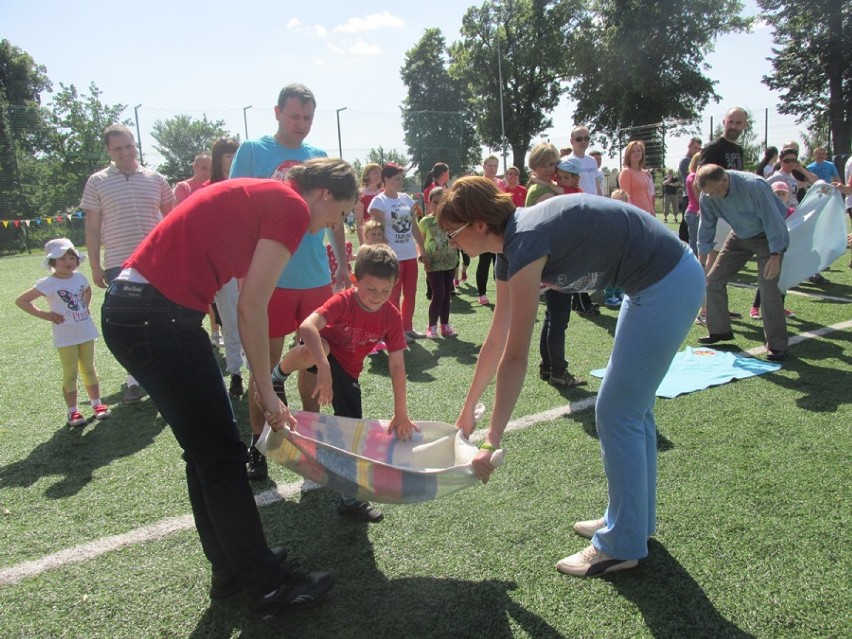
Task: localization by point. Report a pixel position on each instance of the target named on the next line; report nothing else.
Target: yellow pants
(78, 357)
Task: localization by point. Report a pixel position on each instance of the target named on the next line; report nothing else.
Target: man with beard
(724, 151)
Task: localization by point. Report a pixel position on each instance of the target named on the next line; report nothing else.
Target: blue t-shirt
(265, 158)
(825, 171)
(590, 242)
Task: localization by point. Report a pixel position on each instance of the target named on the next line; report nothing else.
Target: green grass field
(754, 489)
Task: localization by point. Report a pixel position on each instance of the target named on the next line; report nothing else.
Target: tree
(643, 62)
(180, 139)
(77, 148)
(526, 43)
(436, 115)
(23, 127)
(812, 62)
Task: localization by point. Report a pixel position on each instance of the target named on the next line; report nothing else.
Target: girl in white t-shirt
(68, 295)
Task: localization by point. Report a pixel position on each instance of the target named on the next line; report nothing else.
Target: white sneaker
(592, 562)
(308, 486)
(589, 527)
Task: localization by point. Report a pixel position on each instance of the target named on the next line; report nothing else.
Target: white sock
(72, 409)
(131, 381)
(96, 402)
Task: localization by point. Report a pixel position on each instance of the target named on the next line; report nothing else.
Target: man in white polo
(122, 203)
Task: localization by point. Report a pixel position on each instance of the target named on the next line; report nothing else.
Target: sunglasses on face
(451, 235)
(582, 138)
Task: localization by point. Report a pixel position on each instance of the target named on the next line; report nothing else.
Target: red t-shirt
(571, 189)
(366, 198)
(351, 331)
(211, 237)
(519, 194)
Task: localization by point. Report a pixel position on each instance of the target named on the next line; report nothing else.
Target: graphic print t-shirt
(66, 298)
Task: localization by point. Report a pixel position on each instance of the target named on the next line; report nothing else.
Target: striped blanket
(358, 457)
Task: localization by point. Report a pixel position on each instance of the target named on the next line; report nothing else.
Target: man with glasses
(122, 203)
(580, 140)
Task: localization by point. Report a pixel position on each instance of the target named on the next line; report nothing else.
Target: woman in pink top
(691, 214)
(634, 180)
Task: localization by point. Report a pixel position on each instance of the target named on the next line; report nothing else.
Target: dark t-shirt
(590, 243)
(724, 153)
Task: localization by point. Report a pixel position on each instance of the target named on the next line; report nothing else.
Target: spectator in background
(600, 178)
(200, 174)
(724, 150)
(670, 196)
(228, 297)
(514, 187)
(122, 203)
(371, 186)
(634, 179)
(580, 140)
(483, 266)
(823, 168)
(767, 164)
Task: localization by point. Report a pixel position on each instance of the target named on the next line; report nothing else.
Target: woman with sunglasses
(572, 243)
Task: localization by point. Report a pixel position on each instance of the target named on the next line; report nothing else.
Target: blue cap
(570, 165)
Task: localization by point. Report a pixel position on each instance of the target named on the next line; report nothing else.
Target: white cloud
(370, 22)
(320, 31)
(293, 23)
(358, 47)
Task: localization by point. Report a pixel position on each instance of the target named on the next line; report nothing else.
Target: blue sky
(216, 58)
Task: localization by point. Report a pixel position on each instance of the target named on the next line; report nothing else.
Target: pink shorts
(289, 307)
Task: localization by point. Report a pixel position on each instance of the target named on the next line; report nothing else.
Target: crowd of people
(244, 241)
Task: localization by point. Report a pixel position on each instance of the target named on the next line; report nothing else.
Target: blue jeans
(551, 344)
(163, 345)
(650, 329)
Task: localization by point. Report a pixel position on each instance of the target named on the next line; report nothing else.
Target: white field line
(84, 552)
(795, 291)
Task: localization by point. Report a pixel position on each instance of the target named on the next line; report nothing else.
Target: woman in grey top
(583, 243)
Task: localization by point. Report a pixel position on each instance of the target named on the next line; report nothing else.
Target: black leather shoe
(224, 584)
(712, 338)
(256, 468)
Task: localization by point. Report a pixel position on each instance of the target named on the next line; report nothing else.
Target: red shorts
(289, 307)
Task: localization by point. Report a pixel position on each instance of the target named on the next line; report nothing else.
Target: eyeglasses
(452, 234)
(582, 138)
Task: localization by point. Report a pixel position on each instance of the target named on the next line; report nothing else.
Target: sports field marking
(84, 552)
(794, 291)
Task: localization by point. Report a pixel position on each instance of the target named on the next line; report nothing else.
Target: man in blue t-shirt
(823, 168)
(306, 282)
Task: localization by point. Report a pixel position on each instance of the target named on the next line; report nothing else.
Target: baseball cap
(570, 165)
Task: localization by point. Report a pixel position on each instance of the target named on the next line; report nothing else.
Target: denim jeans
(551, 344)
(692, 225)
(163, 345)
(650, 329)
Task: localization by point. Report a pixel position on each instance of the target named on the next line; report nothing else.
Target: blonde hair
(371, 225)
(365, 173)
(618, 194)
(475, 199)
(693, 163)
(543, 153)
(629, 149)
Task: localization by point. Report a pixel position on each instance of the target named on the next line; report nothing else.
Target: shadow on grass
(364, 602)
(586, 419)
(75, 454)
(671, 601)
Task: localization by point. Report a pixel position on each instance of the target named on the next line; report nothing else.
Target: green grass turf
(753, 527)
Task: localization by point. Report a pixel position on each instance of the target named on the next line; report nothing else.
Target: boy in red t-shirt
(338, 336)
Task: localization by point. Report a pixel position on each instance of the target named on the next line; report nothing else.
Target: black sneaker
(224, 584)
(256, 467)
(360, 510)
(236, 389)
(295, 592)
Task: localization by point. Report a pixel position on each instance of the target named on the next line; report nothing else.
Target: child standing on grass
(339, 335)
(440, 261)
(68, 294)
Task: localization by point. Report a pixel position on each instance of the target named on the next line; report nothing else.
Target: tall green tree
(527, 44)
(641, 63)
(180, 139)
(812, 62)
(436, 113)
(23, 125)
